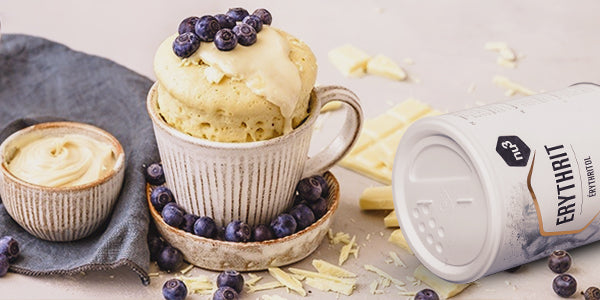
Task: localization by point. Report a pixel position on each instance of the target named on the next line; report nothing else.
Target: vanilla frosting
(61, 160)
(278, 80)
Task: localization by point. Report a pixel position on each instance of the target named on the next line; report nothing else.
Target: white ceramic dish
(220, 255)
(61, 213)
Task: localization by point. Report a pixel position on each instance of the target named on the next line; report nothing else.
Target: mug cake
(223, 96)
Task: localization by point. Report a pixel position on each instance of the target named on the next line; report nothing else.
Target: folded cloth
(40, 81)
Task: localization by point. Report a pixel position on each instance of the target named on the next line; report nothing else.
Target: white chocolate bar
(376, 198)
(397, 238)
(374, 153)
(384, 66)
(391, 220)
(349, 60)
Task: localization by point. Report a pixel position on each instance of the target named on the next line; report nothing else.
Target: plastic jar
(485, 189)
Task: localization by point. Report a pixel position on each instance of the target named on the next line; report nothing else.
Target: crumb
(187, 269)
(471, 88)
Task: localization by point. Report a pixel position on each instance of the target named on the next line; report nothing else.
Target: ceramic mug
(252, 181)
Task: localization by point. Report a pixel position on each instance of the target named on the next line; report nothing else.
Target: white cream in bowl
(61, 160)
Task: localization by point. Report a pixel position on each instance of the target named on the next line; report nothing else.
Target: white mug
(253, 181)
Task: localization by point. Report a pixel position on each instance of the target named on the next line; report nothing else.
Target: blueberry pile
(227, 30)
(229, 285)
(9, 252)
(564, 284)
(310, 204)
(166, 256)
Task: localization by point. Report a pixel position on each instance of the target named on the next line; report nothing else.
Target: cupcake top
(234, 78)
(278, 67)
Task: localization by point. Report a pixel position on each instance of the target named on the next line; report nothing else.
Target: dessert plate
(252, 256)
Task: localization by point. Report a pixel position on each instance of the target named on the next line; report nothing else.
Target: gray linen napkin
(42, 81)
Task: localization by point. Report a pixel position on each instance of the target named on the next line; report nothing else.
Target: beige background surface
(558, 40)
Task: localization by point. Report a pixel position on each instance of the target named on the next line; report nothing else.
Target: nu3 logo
(513, 150)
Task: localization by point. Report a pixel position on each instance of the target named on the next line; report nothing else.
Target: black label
(513, 150)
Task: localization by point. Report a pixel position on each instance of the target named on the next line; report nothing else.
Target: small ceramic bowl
(60, 213)
(220, 255)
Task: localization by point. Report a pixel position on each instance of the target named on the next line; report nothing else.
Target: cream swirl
(62, 160)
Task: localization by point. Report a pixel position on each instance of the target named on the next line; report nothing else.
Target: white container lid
(444, 201)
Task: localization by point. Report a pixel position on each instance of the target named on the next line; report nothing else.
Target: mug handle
(341, 144)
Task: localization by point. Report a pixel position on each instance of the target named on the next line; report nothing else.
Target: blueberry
(174, 289)
(160, 197)
(261, 233)
(152, 229)
(564, 285)
(592, 293)
(220, 233)
(559, 261)
(206, 28)
(237, 13)
(225, 21)
(3, 265)
(9, 247)
(154, 174)
(318, 207)
(264, 15)
(309, 189)
(427, 294)
(324, 185)
(237, 231)
(155, 245)
(175, 206)
(172, 215)
(186, 44)
(225, 293)
(284, 225)
(225, 39)
(304, 216)
(232, 279)
(188, 222)
(298, 199)
(170, 258)
(188, 25)
(206, 227)
(253, 21)
(246, 35)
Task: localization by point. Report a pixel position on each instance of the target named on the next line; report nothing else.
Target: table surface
(558, 42)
